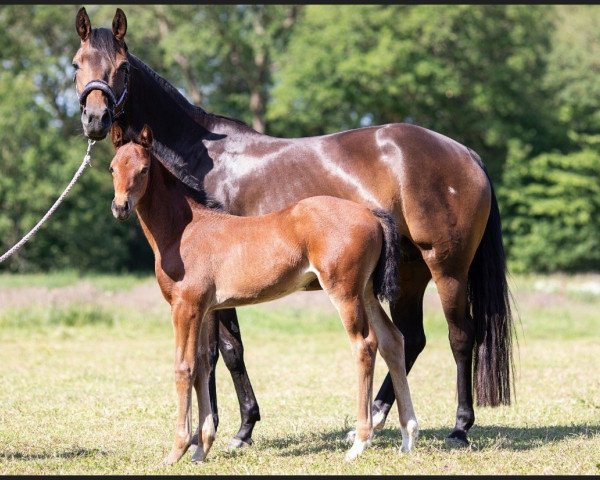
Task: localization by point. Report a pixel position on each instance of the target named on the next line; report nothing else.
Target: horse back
(430, 183)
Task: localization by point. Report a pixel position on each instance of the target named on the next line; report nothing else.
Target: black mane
(195, 111)
(199, 196)
(158, 151)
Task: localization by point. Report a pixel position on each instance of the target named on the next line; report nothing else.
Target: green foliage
(552, 211)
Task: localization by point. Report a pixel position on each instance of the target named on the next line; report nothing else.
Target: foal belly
(253, 291)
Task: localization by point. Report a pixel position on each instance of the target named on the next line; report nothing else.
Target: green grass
(67, 278)
(87, 388)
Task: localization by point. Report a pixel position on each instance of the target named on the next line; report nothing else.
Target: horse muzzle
(121, 212)
(96, 122)
(97, 119)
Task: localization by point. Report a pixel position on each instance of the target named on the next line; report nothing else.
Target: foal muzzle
(120, 212)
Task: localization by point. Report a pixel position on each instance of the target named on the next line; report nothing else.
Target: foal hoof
(236, 444)
(457, 439)
(409, 436)
(357, 449)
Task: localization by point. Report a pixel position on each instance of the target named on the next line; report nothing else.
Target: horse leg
(407, 315)
(228, 340)
(206, 425)
(186, 322)
(452, 290)
(391, 347)
(232, 349)
(364, 349)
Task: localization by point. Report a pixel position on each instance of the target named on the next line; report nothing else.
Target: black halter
(113, 102)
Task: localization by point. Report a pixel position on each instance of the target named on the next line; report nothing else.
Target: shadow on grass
(482, 439)
(69, 454)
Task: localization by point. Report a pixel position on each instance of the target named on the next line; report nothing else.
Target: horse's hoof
(350, 436)
(198, 456)
(236, 444)
(457, 439)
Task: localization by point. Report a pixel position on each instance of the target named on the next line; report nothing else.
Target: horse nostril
(126, 206)
(105, 117)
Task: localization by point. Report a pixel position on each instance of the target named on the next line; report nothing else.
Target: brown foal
(344, 246)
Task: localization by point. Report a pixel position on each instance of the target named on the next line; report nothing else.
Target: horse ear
(119, 25)
(82, 24)
(116, 134)
(146, 137)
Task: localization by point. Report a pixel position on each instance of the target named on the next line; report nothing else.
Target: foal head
(130, 169)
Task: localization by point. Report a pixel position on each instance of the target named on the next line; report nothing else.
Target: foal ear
(82, 24)
(116, 134)
(119, 25)
(146, 137)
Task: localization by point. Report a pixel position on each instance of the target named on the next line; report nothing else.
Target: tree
(469, 72)
(551, 207)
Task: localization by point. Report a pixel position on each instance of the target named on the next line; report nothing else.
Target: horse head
(129, 168)
(101, 73)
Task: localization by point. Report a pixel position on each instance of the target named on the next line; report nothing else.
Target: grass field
(86, 386)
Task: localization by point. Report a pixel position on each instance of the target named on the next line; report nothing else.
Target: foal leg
(186, 323)
(391, 347)
(364, 349)
(206, 424)
(407, 315)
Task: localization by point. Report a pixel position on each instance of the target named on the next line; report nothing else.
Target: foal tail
(387, 272)
(489, 304)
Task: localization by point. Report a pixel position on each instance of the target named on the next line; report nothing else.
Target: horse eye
(144, 170)
(110, 169)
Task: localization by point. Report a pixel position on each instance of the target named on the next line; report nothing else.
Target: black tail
(387, 272)
(489, 303)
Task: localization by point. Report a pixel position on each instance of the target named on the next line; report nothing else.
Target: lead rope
(33, 231)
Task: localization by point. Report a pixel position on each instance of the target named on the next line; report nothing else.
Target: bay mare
(437, 190)
(351, 251)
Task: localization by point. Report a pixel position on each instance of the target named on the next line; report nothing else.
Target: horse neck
(176, 124)
(164, 210)
(153, 100)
